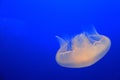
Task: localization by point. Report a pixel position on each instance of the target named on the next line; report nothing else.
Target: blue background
(27, 38)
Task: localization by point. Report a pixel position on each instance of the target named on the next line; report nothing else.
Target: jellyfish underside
(83, 50)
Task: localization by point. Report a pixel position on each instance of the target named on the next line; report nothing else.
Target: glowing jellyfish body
(83, 50)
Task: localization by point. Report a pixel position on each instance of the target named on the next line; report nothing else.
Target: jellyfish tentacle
(61, 41)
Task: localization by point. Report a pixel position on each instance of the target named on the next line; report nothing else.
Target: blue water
(28, 45)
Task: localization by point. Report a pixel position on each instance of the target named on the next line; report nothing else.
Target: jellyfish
(83, 50)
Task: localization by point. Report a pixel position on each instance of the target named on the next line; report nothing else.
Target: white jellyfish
(83, 50)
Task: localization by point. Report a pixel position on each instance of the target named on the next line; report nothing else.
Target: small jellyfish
(83, 50)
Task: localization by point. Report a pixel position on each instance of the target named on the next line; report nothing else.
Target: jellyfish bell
(83, 50)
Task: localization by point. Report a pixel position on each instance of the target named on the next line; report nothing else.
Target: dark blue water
(27, 38)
